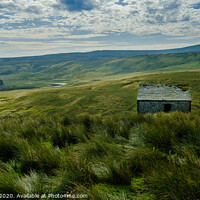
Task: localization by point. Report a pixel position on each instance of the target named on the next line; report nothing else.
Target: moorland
(77, 68)
(86, 137)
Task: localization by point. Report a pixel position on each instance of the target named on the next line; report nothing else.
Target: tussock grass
(49, 142)
(35, 183)
(9, 145)
(176, 180)
(39, 157)
(8, 180)
(32, 183)
(79, 153)
(142, 160)
(167, 131)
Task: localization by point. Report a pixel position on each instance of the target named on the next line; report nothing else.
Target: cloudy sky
(35, 27)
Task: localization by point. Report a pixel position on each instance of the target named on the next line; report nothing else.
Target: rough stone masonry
(163, 98)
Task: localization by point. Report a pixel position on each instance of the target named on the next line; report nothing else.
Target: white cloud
(136, 17)
(44, 19)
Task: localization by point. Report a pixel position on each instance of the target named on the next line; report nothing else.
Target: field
(88, 139)
(116, 96)
(32, 72)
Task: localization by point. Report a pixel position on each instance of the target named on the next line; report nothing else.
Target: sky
(37, 27)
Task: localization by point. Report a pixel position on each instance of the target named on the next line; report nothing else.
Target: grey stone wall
(145, 106)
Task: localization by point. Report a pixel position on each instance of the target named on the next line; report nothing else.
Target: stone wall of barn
(144, 106)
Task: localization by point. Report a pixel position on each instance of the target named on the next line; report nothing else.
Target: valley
(86, 136)
(78, 68)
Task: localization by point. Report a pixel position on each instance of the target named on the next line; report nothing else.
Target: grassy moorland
(128, 157)
(89, 140)
(71, 69)
(99, 98)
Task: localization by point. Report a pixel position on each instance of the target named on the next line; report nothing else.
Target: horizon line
(76, 52)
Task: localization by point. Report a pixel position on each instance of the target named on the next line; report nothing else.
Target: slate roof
(164, 92)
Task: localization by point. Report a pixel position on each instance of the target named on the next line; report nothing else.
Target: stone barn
(163, 98)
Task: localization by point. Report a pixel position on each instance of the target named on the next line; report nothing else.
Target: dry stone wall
(159, 106)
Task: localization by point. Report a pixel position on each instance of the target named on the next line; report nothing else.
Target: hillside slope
(97, 98)
(24, 73)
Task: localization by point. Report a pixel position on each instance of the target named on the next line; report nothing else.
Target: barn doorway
(167, 107)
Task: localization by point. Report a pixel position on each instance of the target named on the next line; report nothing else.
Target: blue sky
(37, 27)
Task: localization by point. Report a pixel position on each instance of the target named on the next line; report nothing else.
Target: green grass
(39, 72)
(99, 98)
(88, 139)
(143, 164)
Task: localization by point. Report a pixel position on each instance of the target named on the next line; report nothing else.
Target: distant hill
(76, 67)
(94, 55)
(195, 48)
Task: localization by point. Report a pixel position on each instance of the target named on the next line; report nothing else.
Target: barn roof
(164, 92)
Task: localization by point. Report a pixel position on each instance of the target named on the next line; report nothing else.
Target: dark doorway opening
(167, 107)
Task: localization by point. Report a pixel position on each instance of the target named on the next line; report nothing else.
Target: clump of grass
(29, 130)
(119, 172)
(167, 131)
(142, 160)
(13, 183)
(9, 146)
(66, 120)
(35, 183)
(8, 180)
(39, 158)
(76, 171)
(108, 163)
(112, 127)
(100, 146)
(158, 136)
(60, 136)
(87, 121)
(65, 154)
(124, 129)
(77, 134)
(176, 180)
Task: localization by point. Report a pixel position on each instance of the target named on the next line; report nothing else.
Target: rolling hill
(88, 139)
(38, 71)
(97, 98)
